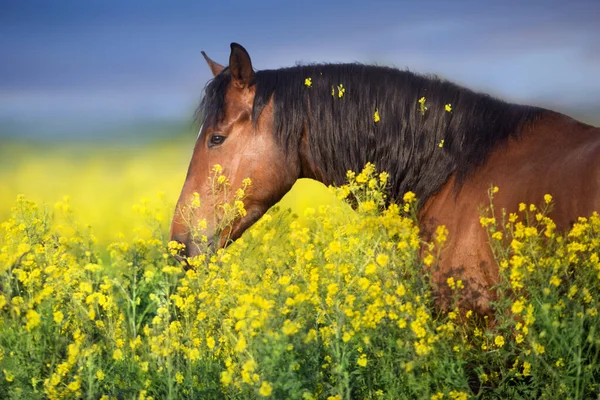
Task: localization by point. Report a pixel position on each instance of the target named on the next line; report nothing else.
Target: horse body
(318, 122)
(557, 155)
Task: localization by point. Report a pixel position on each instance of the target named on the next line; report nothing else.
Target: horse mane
(406, 142)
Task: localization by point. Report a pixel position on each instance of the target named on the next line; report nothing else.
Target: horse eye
(216, 140)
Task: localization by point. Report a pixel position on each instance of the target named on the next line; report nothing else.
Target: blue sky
(92, 63)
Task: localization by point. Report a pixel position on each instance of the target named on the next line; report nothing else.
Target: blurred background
(97, 97)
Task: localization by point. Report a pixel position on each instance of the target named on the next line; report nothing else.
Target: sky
(72, 68)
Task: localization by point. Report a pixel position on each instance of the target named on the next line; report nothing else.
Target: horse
(445, 143)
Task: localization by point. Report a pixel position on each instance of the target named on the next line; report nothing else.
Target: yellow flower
(485, 221)
(341, 90)
(241, 344)
(401, 290)
(368, 205)
(308, 82)
(100, 375)
(451, 283)
(346, 337)
(441, 144)
(335, 247)
(226, 378)
(499, 341)
(555, 280)
(519, 338)
(383, 177)
(421, 348)
(265, 389)
(179, 377)
(74, 386)
(118, 354)
(526, 368)
(210, 342)
(376, 117)
(422, 107)
(428, 260)
(572, 291)
(85, 287)
(458, 395)
(284, 280)
(58, 317)
(538, 348)
(418, 329)
(382, 259)
(370, 269)
(332, 289)
(448, 107)
(409, 197)
(362, 360)
(290, 328)
(33, 319)
(547, 198)
(517, 307)
(310, 336)
(194, 354)
(9, 376)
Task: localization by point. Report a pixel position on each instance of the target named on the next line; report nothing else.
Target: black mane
(343, 135)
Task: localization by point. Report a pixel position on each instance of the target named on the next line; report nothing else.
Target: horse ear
(240, 66)
(215, 67)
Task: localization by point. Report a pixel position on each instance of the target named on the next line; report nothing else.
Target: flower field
(317, 300)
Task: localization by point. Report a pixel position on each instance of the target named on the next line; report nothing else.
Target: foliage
(321, 302)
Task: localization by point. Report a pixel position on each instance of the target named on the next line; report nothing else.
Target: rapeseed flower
(326, 288)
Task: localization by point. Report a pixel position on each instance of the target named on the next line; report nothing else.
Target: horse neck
(308, 167)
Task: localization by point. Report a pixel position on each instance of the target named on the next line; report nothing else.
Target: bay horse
(319, 121)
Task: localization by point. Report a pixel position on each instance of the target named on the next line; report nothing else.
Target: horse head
(242, 146)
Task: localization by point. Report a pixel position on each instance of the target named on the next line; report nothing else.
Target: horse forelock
(212, 105)
(420, 146)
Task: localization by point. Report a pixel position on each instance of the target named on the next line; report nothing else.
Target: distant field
(104, 182)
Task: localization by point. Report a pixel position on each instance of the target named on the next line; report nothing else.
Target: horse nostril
(194, 248)
(181, 258)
